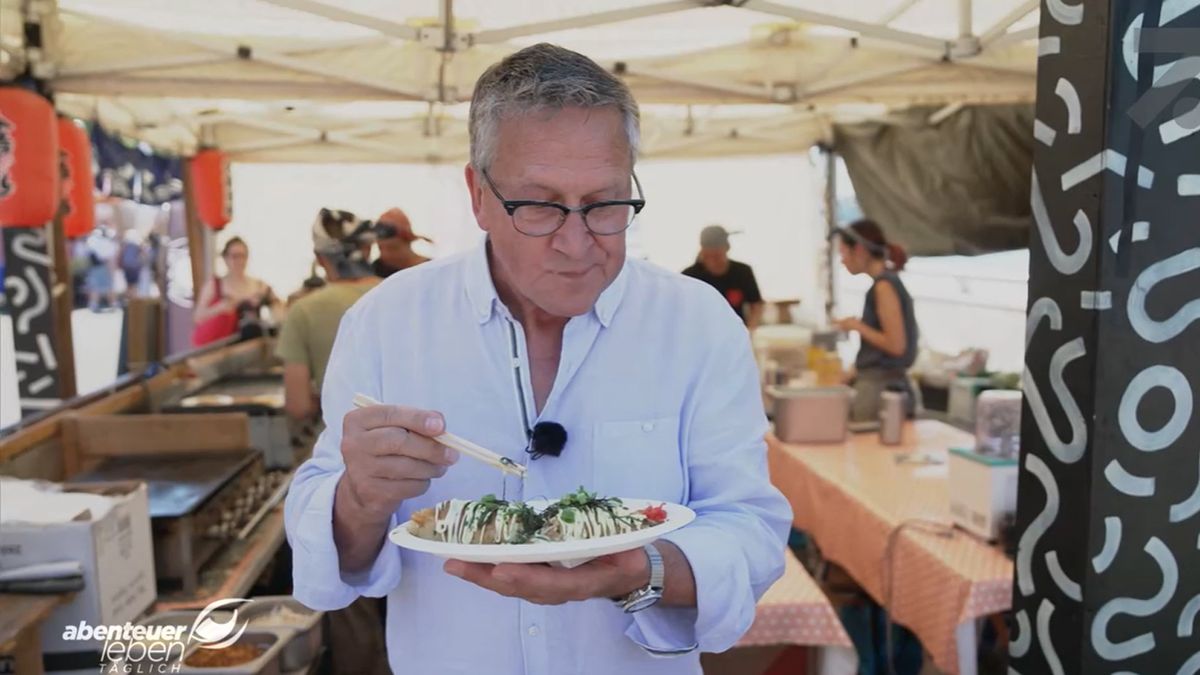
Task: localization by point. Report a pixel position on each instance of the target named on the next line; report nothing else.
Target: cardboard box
(983, 489)
(115, 551)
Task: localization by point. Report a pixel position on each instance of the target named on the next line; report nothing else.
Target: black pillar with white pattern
(1108, 566)
(27, 289)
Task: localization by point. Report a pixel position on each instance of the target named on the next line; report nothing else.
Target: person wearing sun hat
(394, 235)
(341, 243)
(734, 280)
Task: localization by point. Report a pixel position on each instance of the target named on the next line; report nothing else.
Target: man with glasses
(613, 374)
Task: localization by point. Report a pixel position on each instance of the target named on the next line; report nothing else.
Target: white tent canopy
(381, 81)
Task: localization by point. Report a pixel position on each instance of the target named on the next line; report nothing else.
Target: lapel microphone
(547, 438)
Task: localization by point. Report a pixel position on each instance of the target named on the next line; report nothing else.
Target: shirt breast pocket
(639, 459)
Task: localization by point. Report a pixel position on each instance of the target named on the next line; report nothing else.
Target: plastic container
(811, 415)
(998, 423)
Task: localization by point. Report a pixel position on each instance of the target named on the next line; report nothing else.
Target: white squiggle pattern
(1112, 544)
(20, 289)
(1020, 645)
(1095, 300)
(1067, 15)
(41, 384)
(1070, 98)
(1191, 666)
(1173, 9)
(1127, 483)
(1049, 46)
(1188, 507)
(1187, 618)
(41, 302)
(1067, 453)
(47, 350)
(1119, 651)
(22, 244)
(1064, 263)
(1188, 185)
(1043, 308)
(1151, 378)
(1045, 611)
(1180, 127)
(1037, 528)
(1149, 329)
(1109, 159)
(1043, 133)
(1070, 588)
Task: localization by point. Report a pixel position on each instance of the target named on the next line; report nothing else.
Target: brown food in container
(233, 655)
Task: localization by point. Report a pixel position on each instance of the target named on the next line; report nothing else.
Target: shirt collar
(482, 292)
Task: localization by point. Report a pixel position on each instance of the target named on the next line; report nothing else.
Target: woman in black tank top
(888, 326)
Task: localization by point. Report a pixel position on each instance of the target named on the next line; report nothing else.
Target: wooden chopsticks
(472, 450)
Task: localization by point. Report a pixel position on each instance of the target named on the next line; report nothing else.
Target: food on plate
(579, 515)
(484, 521)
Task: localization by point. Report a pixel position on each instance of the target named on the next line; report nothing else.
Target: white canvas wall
(774, 200)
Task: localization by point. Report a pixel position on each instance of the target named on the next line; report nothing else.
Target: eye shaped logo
(214, 633)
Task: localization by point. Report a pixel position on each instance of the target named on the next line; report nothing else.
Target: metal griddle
(178, 485)
(198, 502)
(268, 423)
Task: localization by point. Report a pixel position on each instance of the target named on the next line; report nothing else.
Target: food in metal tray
(579, 515)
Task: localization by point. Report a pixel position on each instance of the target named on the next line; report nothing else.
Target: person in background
(312, 284)
(735, 280)
(394, 234)
(133, 260)
(225, 303)
(888, 326)
(102, 253)
(342, 244)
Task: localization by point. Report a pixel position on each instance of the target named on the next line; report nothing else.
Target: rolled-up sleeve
(308, 512)
(736, 544)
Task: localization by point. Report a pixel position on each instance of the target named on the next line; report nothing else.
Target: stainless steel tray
(305, 645)
(266, 664)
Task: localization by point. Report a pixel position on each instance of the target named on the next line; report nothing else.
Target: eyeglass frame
(511, 206)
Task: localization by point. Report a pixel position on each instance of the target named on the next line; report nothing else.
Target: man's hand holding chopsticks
(390, 457)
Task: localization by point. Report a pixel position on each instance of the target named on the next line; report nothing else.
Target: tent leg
(830, 225)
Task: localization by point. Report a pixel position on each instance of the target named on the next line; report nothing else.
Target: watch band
(651, 593)
(657, 570)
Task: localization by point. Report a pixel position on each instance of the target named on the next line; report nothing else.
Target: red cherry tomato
(655, 514)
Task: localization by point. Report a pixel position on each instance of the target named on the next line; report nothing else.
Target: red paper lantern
(29, 181)
(80, 199)
(210, 188)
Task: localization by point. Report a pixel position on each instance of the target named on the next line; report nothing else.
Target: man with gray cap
(341, 243)
(734, 280)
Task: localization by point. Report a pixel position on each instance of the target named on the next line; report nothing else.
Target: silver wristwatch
(644, 598)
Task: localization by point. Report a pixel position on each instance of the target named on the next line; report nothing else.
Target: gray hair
(544, 77)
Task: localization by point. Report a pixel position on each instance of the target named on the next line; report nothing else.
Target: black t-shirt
(737, 285)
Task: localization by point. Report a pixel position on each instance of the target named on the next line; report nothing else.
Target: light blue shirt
(659, 393)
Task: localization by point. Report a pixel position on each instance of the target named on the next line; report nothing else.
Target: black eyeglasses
(536, 218)
(547, 438)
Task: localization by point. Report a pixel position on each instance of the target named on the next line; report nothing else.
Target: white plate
(562, 553)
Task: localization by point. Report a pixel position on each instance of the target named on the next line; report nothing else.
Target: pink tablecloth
(795, 612)
(852, 497)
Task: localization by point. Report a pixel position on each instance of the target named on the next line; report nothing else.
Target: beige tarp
(375, 80)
